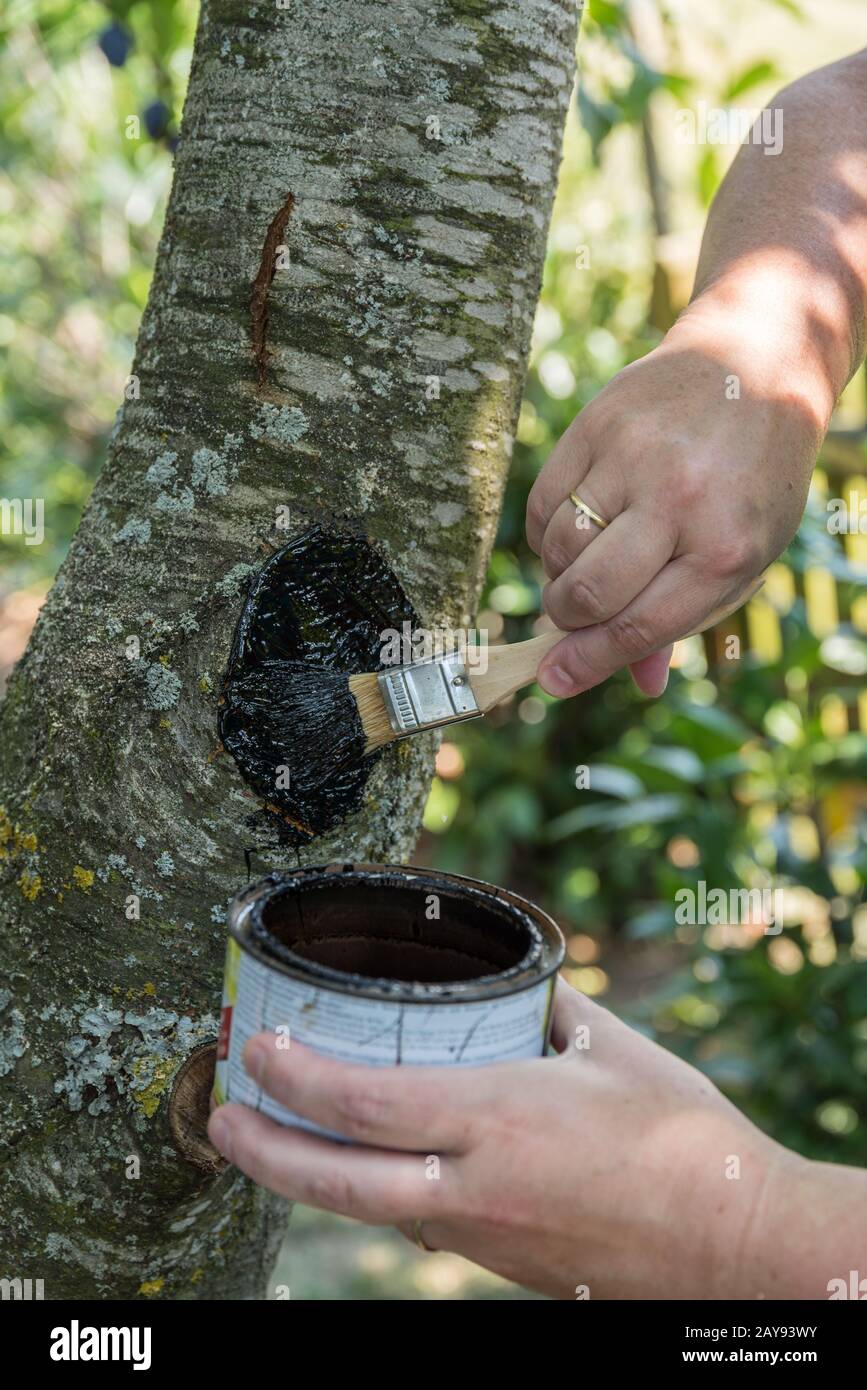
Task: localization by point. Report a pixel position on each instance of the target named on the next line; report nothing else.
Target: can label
(356, 1028)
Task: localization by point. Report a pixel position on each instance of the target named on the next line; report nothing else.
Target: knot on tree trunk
(190, 1108)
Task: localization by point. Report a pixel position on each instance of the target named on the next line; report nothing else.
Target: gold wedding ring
(419, 1238)
(588, 511)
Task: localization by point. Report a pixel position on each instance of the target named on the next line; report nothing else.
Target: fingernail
(254, 1061)
(558, 682)
(220, 1132)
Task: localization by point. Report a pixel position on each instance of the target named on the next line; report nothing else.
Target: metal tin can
(386, 965)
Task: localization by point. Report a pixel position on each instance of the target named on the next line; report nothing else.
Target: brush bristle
(304, 714)
(371, 711)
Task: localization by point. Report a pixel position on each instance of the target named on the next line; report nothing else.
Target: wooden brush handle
(514, 665)
(509, 667)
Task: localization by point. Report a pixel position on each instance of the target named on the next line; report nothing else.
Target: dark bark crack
(262, 284)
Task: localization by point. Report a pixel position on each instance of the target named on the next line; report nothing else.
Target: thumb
(651, 672)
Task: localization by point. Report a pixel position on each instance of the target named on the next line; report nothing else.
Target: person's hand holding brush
(700, 494)
(688, 474)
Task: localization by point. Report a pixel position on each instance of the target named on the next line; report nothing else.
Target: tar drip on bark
(314, 615)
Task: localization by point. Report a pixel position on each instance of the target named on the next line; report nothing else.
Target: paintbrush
(335, 720)
(424, 695)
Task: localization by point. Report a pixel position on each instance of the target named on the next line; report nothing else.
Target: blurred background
(748, 773)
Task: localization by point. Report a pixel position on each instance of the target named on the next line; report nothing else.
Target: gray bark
(409, 257)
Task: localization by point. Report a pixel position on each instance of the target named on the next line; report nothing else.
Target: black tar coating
(314, 615)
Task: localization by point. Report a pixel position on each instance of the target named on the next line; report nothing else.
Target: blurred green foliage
(82, 196)
(733, 777)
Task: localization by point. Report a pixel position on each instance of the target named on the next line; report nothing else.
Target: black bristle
(306, 714)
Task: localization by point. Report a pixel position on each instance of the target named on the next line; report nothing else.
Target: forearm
(809, 1230)
(782, 277)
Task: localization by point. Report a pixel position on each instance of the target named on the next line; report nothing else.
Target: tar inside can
(383, 965)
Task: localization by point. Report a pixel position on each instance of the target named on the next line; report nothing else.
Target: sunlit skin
(700, 454)
(615, 1169)
(611, 1171)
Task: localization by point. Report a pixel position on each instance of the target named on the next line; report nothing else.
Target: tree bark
(393, 164)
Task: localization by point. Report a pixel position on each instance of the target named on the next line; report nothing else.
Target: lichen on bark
(420, 143)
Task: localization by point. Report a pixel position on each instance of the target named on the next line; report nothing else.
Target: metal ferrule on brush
(425, 694)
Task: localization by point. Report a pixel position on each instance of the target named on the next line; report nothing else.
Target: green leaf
(654, 921)
(681, 763)
(792, 8)
(708, 175)
(516, 812)
(647, 810)
(606, 14)
(597, 119)
(725, 732)
(614, 781)
(845, 653)
(678, 84)
(752, 76)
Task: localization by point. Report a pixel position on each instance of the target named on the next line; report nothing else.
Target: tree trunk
(392, 165)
